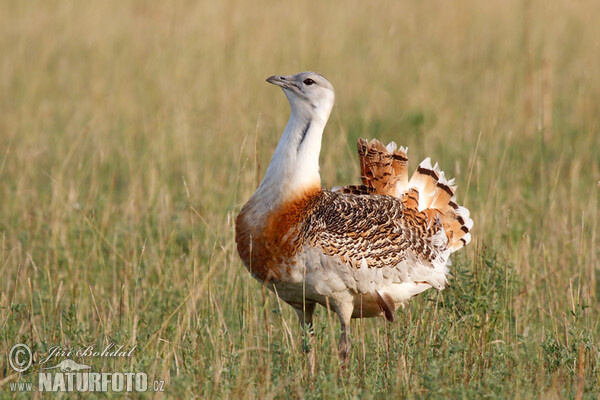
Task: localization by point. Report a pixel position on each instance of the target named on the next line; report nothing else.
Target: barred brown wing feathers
(376, 229)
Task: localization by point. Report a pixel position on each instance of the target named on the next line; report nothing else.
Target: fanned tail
(384, 170)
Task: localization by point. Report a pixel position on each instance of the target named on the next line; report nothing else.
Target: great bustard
(361, 250)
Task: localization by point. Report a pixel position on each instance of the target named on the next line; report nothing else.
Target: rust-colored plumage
(269, 249)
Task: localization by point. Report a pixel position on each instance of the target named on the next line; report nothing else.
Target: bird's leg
(305, 316)
(344, 347)
(344, 312)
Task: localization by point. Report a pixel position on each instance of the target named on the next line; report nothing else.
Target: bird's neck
(294, 168)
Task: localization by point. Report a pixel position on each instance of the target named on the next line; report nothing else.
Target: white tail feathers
(425, 180)
(384, 169)
(391, 147)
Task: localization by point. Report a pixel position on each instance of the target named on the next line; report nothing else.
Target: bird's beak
(281, 81)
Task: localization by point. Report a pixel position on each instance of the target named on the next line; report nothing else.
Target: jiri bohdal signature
(111, 350)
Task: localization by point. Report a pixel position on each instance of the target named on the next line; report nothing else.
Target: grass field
(132, 133)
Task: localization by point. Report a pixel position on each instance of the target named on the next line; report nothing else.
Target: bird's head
(307, 92)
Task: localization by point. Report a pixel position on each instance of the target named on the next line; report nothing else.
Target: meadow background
(132, 132)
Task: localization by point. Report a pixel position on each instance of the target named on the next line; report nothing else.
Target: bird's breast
(268, 240)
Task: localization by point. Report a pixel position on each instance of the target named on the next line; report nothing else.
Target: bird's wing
(407, 228)
(384, 171)
(376, 232)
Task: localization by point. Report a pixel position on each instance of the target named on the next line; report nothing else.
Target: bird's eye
(308, 81)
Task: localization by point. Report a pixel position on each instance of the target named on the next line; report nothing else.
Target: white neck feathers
(294, 167)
